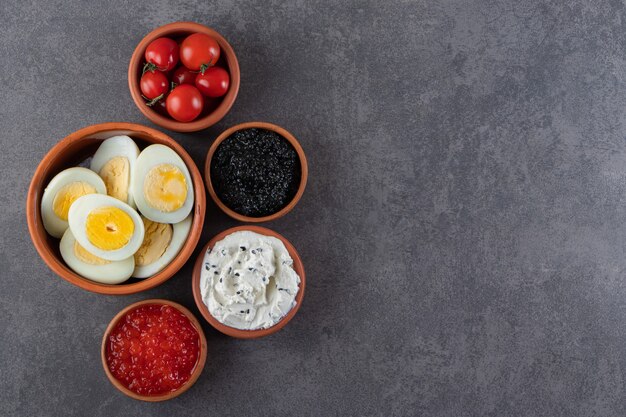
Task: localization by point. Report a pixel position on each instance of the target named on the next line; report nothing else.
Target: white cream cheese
(248, 281)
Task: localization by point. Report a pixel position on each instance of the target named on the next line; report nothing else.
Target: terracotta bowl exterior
(259, 125)
(71, 151)
(195, 374)
(228, 60)
(248, 334)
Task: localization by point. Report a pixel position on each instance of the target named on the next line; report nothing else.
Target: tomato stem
(154, 101)
(204, 67)
(149, 66)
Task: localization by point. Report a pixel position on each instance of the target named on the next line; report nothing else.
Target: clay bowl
(231, 331)
(196, 372)
(259, 125)
(73, 150)
(215, 109)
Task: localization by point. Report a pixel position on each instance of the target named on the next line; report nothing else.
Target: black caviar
(255, 172)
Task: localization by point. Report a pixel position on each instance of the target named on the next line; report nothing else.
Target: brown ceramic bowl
(215, 109)
(73, 150)
(231, 331)
(259, 125)
(194, 375)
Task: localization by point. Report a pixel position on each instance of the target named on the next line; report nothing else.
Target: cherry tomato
(184, 103)
(214, 82)
(199, 51)
(162, 53)
(153, 84)
(183, 75)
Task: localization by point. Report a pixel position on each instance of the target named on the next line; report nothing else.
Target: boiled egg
(114, 161)
(92, 267)
(106, 227)
(60, 194)
(161, 244)
(161, 185)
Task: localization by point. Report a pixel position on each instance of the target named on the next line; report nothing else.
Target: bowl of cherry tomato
(184, 76)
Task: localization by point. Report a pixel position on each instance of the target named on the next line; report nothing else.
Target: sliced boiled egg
(161, 244)
(106, 227)
(114, 161)
(161, 185)
(60, 194)
(92, 267)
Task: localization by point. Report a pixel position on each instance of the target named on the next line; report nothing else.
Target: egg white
(117, 146)
(112, 273)
(179, 237)
(77, 220)
(55, 226)
(150, 157)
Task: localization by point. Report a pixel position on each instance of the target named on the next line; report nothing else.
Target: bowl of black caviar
(256, 172)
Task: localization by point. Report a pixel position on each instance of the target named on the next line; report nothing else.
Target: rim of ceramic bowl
(304, 170)
(40, 237)
(204, 122)
(239, 333)
(194, 375)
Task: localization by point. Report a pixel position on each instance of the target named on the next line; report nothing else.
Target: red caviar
(153, 349)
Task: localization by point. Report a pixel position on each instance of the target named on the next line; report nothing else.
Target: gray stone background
(462, 231)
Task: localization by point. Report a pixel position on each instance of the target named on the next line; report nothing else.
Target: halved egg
(106, 227)
(115, 161)
(64, 189)
(92, 267)
(161, 185)
(161, 244)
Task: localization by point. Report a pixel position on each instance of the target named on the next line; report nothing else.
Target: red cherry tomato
(214, 82)
(199, 51)
(184, 103)
(162, 53)
(183, 75)
(153, 84)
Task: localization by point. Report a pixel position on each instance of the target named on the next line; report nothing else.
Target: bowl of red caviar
(153, 350)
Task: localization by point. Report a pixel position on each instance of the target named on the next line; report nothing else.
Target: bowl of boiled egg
(116, 208)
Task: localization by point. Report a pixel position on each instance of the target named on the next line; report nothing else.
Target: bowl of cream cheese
(248, 282)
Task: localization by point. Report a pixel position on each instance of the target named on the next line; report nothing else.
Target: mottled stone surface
(463, 229)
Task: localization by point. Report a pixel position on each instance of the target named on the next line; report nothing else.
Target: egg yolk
(116, 176)
(156, 240)
(86, 257)
(165, 188)
(67, 195)
(109, 228)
